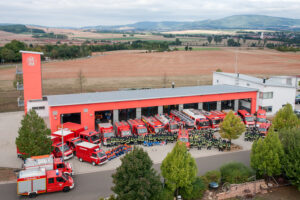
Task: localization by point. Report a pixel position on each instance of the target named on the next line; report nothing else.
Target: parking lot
(10, 123)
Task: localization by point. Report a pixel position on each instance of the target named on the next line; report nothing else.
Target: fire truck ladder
(182, 117)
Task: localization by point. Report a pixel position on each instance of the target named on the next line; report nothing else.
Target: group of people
(118, 151)
(206, 139)
(252, 134)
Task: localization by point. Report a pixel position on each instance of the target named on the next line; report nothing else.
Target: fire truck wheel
(93, 163)
(66, 189)
(32, 195)
(80, 159)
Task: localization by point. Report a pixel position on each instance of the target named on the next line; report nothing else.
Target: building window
(289, 81)
(248, 84)
(267, 108)
(39, 108)
(266, 95)
(218, 81)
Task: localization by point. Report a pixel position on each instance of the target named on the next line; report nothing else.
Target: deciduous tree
(285, 118)
(136, 178)
(33, 135)
(231, 127)
(267, 154)
(179, 170)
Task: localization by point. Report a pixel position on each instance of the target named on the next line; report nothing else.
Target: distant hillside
(232, 22)
(19, 28)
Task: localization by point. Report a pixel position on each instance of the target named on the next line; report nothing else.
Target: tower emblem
(30, 61)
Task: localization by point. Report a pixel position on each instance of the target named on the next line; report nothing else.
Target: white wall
(281, 95)
(39, 103)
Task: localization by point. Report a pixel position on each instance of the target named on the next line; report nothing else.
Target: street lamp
(62, 136)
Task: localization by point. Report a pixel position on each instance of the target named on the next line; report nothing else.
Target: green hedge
(235, 172)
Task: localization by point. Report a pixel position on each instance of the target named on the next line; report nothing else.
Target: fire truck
(183, 136)
(75, 128)
(154, 126)
(200, 120)
(188, 123)
(57, 150)
(49, 163)
(213, 120)
(261, 121)
(247, 118)
(220, 114)
(122, 129)
(106, 131)
(90, 153)
(137, 127)
(90, 136)
(72, 142)
(65, 133)
(170, 124)
(31, 182)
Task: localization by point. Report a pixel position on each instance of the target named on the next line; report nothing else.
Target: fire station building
(89, 109)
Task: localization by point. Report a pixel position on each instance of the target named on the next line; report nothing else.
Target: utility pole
(62, 136)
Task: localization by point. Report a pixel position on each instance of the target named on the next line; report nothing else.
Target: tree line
(10, 52)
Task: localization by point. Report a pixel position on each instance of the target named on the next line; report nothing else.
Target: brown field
(123, 69)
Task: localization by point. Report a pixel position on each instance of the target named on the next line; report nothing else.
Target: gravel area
(10, 122)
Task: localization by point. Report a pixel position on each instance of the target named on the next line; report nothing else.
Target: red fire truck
(49, 163)
(137, 127)
(122, 129)
(36, 181)
(57, 151)
(91, 153)
(261, 121)
(170, 124)
(187, 122)
(213, 120)
(200, 120)
(72, 142)
(220, 114)
(90, 136)
(183, 136)
(75, 128)
(247, 118)
(153, 125)
(106, 131)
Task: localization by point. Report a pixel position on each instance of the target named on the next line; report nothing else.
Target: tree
(190, 48)
(231, 127)
(33, 135)
(232, 43)
(285, 118)
(235, 173)
(186, 47)
(219, 70)
(179, 170)
(209, 39)
(267, 154)
(81, 80)
(290, 139)
(136, 178)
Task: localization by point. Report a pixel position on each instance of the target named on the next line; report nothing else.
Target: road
(95, 185)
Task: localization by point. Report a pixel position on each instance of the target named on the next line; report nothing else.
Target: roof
(32, 52)
(131, 95)
(63, 132)
(32, 172)
(87, 145)
(260, 81)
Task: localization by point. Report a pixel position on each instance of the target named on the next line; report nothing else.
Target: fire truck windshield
(108, 134)
(126, 133)
(100, 154)
(262, 130)
(249, 119)
(183, 139)
(157, 130)
(65, 176)
(77, 142)
(142, 131)
(204, 123)
(95, 137)
(173, 126)
(216, 121)
(262, 120)
(66, 147)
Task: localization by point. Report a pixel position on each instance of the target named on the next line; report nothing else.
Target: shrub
(198, 190)
(235, 172)
(219, 70)
(213, 176)
(167, 194)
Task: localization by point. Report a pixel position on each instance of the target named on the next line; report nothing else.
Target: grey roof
(131, 95)
(269, 82)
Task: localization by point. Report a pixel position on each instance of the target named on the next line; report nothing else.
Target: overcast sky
(79, 13)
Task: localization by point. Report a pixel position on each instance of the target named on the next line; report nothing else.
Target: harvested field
(126, 69)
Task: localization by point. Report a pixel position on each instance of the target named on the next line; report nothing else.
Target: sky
(80, 13)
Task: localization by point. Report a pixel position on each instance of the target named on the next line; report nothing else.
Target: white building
(273, 94)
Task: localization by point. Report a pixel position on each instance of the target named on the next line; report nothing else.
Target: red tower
(32, 76)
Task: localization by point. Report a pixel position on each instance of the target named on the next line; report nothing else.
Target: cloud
(111, 12)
